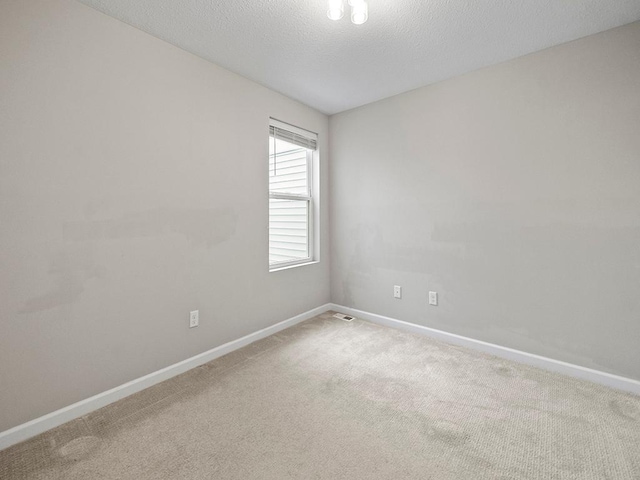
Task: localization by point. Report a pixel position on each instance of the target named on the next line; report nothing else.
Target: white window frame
(311, 216)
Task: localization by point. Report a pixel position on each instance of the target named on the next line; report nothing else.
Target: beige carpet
(334, 400)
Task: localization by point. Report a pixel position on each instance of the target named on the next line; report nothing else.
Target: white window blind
(290, 195)
(293, 137)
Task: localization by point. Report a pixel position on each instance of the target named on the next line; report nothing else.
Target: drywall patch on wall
(366, 240)
(67, 292)
(74, 266)
(70, 270)
(199, 226)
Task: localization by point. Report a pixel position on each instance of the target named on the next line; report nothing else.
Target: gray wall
(133, 188)
(514, 192)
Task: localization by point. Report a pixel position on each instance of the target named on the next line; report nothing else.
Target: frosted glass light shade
(359, 11)
(335, 10)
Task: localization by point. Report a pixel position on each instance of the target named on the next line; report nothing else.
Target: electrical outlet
(194, 319)
(397, 291)
(433, 298)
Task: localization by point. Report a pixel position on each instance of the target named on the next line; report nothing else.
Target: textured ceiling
(292, 47)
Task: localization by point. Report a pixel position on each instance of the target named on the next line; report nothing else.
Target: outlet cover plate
(194, 318)
(433, 298)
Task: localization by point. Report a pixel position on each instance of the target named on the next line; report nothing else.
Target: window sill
(288, 267)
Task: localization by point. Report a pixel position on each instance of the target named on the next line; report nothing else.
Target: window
(291, 209)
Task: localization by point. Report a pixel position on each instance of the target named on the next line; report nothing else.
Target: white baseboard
(569, 369)
(51, 420)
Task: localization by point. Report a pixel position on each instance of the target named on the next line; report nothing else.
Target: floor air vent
(344, 317)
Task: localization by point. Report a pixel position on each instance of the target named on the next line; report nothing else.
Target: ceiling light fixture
(335, 10)
(359, 10)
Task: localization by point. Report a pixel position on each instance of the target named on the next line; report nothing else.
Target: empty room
(320, 239)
